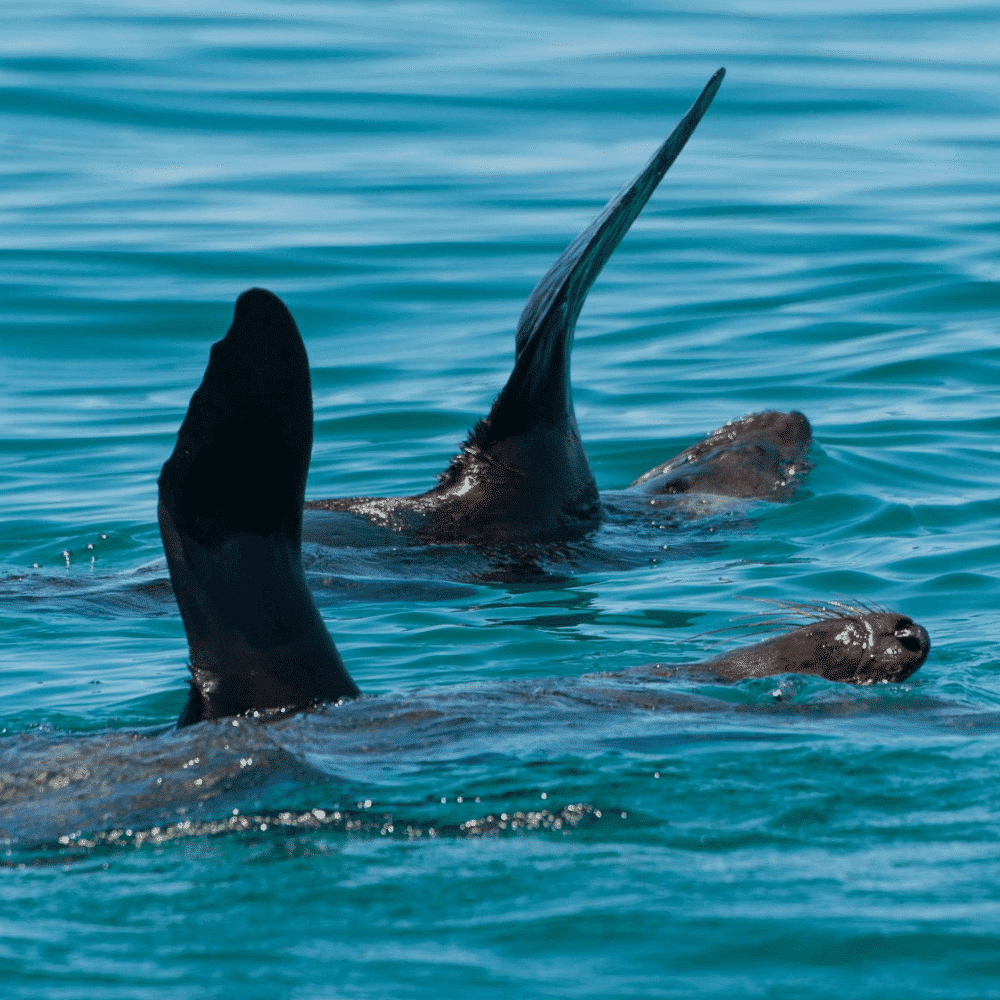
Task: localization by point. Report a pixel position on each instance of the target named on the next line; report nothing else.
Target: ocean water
(490, 822)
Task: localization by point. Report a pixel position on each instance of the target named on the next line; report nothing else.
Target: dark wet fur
(762, 455)
(849, 643)
(522, 474)
(125, 787)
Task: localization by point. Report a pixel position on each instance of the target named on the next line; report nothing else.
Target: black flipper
(523, 473)
(538, 389)
(231, 522)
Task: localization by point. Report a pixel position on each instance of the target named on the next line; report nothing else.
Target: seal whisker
(784, 616)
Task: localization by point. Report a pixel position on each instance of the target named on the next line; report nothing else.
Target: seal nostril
(909, 641)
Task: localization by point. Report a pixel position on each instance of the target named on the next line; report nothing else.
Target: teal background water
(401, 174)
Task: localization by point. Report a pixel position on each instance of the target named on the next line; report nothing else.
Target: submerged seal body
(522, 474)
(230, 517)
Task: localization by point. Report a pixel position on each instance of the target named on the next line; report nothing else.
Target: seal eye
(906, 637)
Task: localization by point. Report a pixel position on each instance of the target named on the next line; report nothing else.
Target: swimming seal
(860, 648)
(853, 645)
(230, 517)
(760, 456)
(522, 474)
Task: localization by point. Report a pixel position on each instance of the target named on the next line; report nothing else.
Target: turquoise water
(401, 175)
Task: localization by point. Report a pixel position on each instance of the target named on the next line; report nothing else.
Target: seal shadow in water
(230, 516)
(522, 475)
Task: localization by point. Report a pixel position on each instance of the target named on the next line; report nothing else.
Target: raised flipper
(523, 474)
(538, 389)
(231, 521)
(763, 456)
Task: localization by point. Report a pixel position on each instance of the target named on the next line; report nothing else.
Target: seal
(522, 474)
(230, 516)
(849, 644)
(762, 456)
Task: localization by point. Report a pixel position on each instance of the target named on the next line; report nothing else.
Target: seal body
(522, 474)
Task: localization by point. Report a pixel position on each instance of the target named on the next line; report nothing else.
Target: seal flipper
(523, 470)
(539, 386)
(231, 522)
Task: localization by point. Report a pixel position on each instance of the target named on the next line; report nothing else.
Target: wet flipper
(522, 474)
(539, 387)
(523, 471)
(231, 521)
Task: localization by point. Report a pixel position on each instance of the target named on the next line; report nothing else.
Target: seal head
(762, 455)
(854, 646)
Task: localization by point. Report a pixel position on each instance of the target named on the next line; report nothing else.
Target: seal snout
(905, 651)
(912, 637)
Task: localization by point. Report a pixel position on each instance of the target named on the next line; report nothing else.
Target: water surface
(401, 175)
